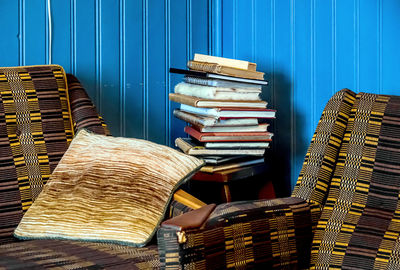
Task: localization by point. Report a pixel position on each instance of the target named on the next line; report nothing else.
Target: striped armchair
(344, 212)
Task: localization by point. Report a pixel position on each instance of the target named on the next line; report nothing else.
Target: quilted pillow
(108, 189)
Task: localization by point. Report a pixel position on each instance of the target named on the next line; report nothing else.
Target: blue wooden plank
(156, 76)
(302, 82)
(229, 25)
(263, 45)
(35, 32)
(199, 25)
(369, 46)
(10, 35)
(324, 64)
(62, 33)
(178, 59)
(283, 92)
(244, 30)
(345, 45)
(134, 71)
(109, 65)
(390, 47)
(85, 46)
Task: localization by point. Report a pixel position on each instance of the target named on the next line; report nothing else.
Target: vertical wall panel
(345, 44)
(134, 71)
(35, 32)
(122, 50)
(85, 45)
(109, 64)
(323, 56)
(178, 57)
(302, 81)
(156, 76)
(63, 33)
(369, 46)
(283, 90)
(9, 41)
(390, 47)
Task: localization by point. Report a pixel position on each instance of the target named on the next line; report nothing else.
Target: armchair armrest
(255, 234)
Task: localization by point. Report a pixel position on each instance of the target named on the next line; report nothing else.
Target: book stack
(220, 99)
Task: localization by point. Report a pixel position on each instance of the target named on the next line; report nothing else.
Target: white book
(221, 83)
(225, 61)
(229, 113)
(195, 119)
(218, 93)
(257, 128)
(236, 145)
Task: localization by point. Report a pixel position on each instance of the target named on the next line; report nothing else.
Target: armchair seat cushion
(59, 254)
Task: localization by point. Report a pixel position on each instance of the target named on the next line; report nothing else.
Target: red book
(228, 137)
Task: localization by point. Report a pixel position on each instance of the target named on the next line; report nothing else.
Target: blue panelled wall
(121, 50)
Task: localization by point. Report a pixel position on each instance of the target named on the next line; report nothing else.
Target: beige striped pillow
(107, 189)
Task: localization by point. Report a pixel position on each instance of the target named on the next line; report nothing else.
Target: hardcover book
(188, 146)
(225, 61)
(203, 74)
(224, 113)
(224, 167)
(206, 121)
(220, 83)
(225, 70)
(228, 137)
(218, 93)
(256, 128)
(212, 103)
(236, 145)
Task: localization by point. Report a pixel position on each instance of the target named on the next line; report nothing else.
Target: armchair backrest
(352, 172)
(39, 114)
(320, 161)
(360, 222)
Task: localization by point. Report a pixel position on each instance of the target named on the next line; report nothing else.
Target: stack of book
(220, 99)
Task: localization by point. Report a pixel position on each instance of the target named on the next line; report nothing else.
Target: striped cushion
(108, 189)
(359, 226)
(35, 131)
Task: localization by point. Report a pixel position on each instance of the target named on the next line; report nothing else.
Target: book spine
(200, 81)
(218, 69)
(181, 144)
(183, 99)
(193, 119)
(203, 66)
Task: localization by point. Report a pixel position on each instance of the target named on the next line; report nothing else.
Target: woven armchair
(344, 212)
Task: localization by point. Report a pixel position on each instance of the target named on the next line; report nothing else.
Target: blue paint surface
(122, 50)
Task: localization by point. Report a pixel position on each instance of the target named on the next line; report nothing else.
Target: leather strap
(190, 220)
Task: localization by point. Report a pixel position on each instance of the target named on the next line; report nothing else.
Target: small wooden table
(227, 177)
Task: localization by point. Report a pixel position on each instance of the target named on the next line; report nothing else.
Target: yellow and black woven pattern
(35, 131)
(359, 227)
(320, 161)
(272, 234)
(84, 113)
(56, 254)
